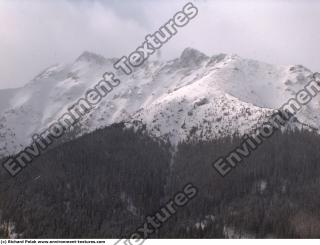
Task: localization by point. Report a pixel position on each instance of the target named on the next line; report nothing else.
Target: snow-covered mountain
(192, 97)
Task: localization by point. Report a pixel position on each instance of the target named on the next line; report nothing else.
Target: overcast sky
(35, 34)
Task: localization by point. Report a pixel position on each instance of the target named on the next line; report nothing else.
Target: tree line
(104, 184)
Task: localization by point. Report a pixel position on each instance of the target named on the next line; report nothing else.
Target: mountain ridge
(193, 97)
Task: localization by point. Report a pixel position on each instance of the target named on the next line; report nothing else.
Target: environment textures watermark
(224, 165)
(156, 40)
(92, 97)
(155, 221)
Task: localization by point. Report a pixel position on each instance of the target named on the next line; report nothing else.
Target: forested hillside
(104, 184)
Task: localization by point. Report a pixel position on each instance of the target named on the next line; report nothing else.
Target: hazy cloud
(35, 34)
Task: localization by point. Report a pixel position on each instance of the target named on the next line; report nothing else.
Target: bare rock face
(192, 57)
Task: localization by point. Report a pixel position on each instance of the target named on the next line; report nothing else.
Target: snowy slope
(5, 96)
(191, 97)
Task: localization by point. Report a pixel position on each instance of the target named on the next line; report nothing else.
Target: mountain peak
(87, 56)
(191, 56)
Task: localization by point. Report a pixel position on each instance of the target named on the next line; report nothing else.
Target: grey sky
(35, 34)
